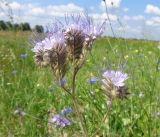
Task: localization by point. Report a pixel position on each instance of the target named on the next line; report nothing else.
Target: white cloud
(60, 10)
(155, 21)
(151, 9)
(138, 18)
(103, 16)
(54, 10)
(37, 14)
(36, 11)
(111, 3)
(16, 6)
(134, 18)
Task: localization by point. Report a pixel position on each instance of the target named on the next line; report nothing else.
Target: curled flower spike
(80, 33)
(113, 84)
(52, 51)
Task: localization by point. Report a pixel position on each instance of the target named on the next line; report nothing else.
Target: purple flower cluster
(57, 32)
(66, 43)
(59, 121)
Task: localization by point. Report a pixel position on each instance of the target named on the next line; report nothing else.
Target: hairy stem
(76, 105)
(80, 117)
(102, 121)
(66, 90)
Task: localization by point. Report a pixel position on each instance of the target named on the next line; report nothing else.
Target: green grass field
(25, 85)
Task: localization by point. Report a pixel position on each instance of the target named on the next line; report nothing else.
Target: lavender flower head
(113, 84)
(59, 121)
(117, 78)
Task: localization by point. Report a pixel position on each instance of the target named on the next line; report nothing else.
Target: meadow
(31, 88)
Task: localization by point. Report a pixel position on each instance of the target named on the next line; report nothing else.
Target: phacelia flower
(117, 78)
(59, 121)
(65, 42)
(80, 33)
(52, 51)
(113, 84)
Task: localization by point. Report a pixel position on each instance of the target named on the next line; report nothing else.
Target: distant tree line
(7, 25)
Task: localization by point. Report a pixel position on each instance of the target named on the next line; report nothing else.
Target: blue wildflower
(51, 89)
(23, 56)
(92, 81)
(66, 111)
(63, 82)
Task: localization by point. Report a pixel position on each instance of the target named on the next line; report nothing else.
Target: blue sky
(140, 18)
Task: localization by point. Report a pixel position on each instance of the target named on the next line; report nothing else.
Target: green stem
(80, 117)
(76, 105)
(102, 121)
